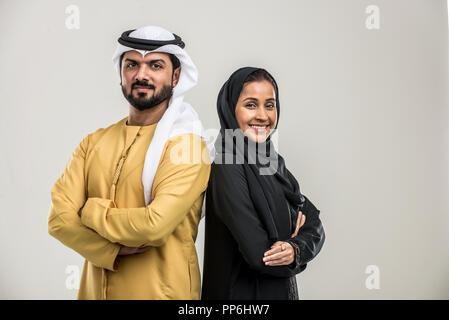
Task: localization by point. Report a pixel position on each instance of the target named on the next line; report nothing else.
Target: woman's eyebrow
(250, 98)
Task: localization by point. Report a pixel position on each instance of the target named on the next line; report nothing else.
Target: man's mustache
(143, 84)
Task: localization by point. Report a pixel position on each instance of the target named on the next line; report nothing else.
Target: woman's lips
(260, 129)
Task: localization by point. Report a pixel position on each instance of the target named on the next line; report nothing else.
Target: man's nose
(142, 74)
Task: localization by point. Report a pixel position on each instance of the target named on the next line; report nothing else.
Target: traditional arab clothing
(247, 211)
(129, 191)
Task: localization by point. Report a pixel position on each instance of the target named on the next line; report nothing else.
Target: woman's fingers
(276, 247)
(277, 256)
(272, 251)
(303, 220)
(299, 223)
(282, 261)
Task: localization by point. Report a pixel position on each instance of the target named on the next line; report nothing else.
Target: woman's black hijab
(277, 196)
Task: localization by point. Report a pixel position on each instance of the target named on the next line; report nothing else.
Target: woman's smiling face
(256, 111)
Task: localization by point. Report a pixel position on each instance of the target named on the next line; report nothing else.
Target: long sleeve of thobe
(68, 195)
(177, 187)
(232, 203)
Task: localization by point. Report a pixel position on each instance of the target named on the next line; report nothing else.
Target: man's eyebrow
(157, 60)
(149, 62)
(130, 60)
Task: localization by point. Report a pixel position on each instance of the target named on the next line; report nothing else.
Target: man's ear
(176, 75)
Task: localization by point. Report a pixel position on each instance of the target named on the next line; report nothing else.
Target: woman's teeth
(259, 129)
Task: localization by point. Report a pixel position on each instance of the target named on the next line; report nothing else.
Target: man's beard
(142, 102)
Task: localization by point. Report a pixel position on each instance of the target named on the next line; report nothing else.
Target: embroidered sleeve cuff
(110, 256)
(297, 250)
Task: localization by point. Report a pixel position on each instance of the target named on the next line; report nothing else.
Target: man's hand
(125, 251)
(299, 223)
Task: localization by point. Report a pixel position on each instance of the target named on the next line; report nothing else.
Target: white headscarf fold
(180, 117)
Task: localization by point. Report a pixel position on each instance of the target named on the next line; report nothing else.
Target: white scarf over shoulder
(180, 117)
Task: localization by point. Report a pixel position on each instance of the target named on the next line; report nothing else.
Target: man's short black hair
(174, 61)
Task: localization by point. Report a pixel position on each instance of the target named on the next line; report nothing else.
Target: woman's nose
(261, 114)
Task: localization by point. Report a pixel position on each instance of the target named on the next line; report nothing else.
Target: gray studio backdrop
(364, 126)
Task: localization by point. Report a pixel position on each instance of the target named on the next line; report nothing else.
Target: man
(124, 202)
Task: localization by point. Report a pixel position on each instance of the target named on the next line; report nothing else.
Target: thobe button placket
(116, 176)
(112, 196)
(121, 162)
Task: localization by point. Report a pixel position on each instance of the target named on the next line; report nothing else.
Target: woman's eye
(270, 106)
(251, 105)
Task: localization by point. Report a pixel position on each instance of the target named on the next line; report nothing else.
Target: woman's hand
(125, 251)
(299, 223)
(278, 257)
(280, 254)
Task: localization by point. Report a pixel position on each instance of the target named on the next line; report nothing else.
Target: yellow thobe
(103, 183)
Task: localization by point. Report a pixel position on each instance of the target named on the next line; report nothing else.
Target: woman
(260, 230)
